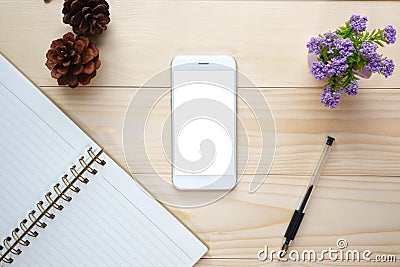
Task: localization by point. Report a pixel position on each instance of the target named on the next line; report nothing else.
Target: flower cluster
(352, 89)
(358, 24)
(389, 34)
(330, 98)
(348, 50)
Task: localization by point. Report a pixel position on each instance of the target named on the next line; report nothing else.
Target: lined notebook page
(110, 222)
(38, 144)
(113, 222)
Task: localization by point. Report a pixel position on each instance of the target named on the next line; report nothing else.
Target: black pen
(299, 213)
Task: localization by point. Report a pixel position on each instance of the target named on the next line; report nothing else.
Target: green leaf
(378, 43)
(366, 36)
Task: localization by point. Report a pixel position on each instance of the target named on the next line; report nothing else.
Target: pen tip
(285, 248)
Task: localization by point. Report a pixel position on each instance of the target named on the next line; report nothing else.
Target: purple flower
(315, 45)
(387, 67)
(374, 63)
(347, 52)
(389, 34)
(329, 37)
(352, 88)
(358, 24)
(368, 49)
(327, 41)
(345, 46)
(319, 70)
(337, 66)
(329, 98)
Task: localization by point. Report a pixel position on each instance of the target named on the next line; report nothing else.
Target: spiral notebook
(64, 202)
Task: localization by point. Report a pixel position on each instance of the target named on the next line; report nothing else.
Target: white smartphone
(203, 105)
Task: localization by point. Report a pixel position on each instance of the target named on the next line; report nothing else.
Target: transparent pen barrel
(320, 164)
(315, 176)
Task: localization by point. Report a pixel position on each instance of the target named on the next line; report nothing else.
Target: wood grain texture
(267, 38)
(351, 207)
(357, 197)
(366, 128)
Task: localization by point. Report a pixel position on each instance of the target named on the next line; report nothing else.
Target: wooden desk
(358, 197)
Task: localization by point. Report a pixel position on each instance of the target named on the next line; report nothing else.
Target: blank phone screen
(204, 123)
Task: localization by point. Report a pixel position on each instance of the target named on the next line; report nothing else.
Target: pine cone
(73, 61)
(87, 17)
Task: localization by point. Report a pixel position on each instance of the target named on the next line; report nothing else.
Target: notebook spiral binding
(19, 234)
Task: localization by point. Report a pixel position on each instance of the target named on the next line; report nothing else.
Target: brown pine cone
(87, 17)
(73, 60)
